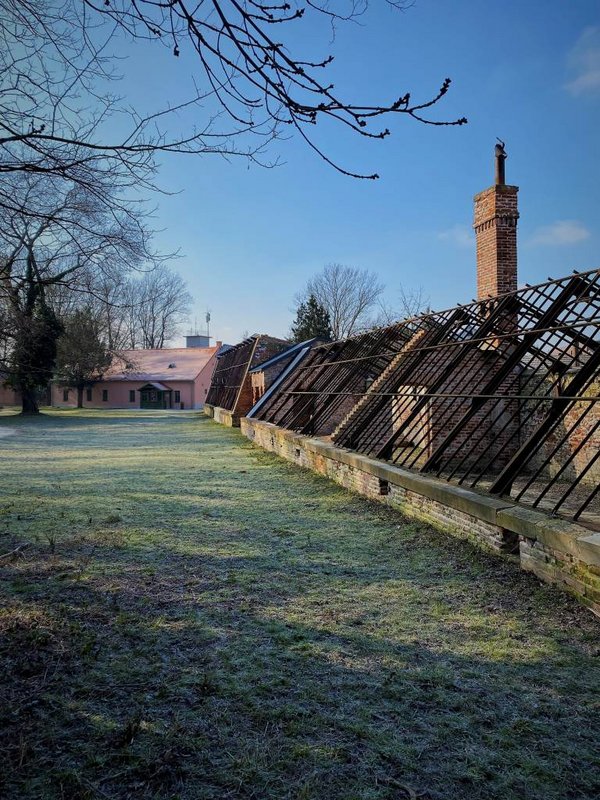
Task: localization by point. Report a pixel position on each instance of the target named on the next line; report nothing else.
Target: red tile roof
(175, 363)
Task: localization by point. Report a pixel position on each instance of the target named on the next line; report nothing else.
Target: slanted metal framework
(501, 395)
(230, 374)
(329, 381)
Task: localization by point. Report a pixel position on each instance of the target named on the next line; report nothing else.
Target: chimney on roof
(495, 224)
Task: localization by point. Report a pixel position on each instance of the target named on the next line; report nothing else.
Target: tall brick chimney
(495, 226)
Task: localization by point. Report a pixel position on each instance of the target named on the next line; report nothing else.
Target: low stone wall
(221, 415)
(557, 551)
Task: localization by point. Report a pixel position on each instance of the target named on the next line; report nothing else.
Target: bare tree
(161, 305)
(411, 302)
(82, 356)
(348, 294)
(57, 113)
(75, 234)
(144, 308)
(112, 299)
(101, 294)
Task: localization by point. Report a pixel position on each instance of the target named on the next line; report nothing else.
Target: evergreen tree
(82, 357)
(35, 330)
(312, 319)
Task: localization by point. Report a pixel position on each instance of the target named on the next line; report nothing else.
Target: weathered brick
(495, 223)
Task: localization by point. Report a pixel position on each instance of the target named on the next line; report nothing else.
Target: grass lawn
(197, 619)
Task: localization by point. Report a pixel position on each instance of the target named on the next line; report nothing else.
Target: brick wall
(364, 476)
(557, 552)
(265, 348)
(495, 224)
(264, 379)
(572, 446)
(257, 379)
(222, 415)
(422, 423)
(8, 395)
(554, 565)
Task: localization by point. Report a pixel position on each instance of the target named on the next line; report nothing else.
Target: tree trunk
(29, 403)
(80, 397)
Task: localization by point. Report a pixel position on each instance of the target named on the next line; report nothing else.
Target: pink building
(169, 378)
(8, 396)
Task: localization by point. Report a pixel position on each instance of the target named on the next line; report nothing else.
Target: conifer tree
(312, 319)
(35, 331)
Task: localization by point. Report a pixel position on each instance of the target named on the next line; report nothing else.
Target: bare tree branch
(57, 115)
(410, 303)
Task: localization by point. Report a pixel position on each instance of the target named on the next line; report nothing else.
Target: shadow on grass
(201, 680)
(244, 629)
(105, 417)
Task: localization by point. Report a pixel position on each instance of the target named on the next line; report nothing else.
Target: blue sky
(527, 71)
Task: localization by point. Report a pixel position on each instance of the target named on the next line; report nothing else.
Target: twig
(17, 551)
(116, 775)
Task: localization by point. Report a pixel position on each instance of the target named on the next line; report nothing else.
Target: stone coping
(222, 415)
(558, 534)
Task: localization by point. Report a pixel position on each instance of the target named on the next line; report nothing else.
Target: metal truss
(500, 394)
(230, 374)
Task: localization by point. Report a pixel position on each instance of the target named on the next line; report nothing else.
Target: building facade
(169, 378)
(8, 395)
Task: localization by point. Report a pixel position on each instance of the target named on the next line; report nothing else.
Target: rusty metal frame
(500, 395)
(230, 373)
